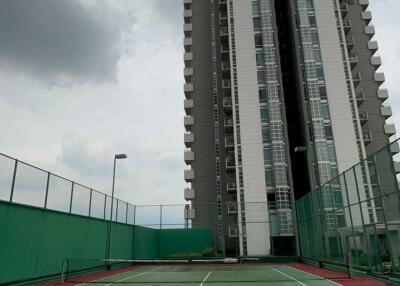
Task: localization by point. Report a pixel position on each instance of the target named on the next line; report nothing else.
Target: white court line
(288, 276)
(126, 278)
(315, 275)
(205, 278)
(118, 274)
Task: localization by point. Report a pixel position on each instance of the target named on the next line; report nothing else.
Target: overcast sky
(83, 80)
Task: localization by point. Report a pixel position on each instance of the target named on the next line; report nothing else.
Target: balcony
(187, 13)
(225, 66)
(227, 103)
(188, 104)
(230, 161)
(396, 167)
(190, 213)
(367, 137)
(228, 124)
(363, 117)
(187, 30)
(347, 26)
(382, 94)
(188, 58)
(357, 79)
(350, 43)
(226, 83)
(376, 62)
(188, 89)
(231, 185)
(360, 97)
(353, 59)
(224, 49)
(188, 157)
(390, 129)
(366, 16)
(188, 73)
(395, 148)
(386, 111)
(233, 231)
(344, 9)
(233, 207)
(188, 42)
(224, 31)
(189, 175)
(379, 78)
(188, 139)
(188, 122)
(189, 194)
(364, 3)
(229, 142)
(369, 31)
(373, 46)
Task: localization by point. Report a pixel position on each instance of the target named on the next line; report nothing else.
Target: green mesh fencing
(35, 241)
(354, 219)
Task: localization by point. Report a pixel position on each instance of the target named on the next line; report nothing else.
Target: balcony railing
(226, 83)
(229, 141)
(227, 101)
(228, 122)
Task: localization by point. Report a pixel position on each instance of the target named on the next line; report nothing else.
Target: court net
(197, 271)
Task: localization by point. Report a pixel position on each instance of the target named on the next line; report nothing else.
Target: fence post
(126, 216)
(90, 201)
(13, 180)
(47, 190)
(160, 216)
(134, 215)
(105, 206)
(72, 196)
(116, 211)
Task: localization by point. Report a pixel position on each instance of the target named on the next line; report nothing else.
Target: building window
(262, 94)
(261, 76)
(264, 114)
(258, 40)
(325, 111)
(269, 177)
(328, 132)
(256, 8)
(260, 58)
(267, 156)
(266, 136)
(322, 92)
(257, 24)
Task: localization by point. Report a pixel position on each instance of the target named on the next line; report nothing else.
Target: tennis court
(222, 275)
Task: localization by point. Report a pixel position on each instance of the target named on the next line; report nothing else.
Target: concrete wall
(250, 129)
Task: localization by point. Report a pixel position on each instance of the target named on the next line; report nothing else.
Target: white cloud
(75, 130)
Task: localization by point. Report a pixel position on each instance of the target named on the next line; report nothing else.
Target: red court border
(337, 277)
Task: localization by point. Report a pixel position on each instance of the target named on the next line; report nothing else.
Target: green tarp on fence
(34, 241)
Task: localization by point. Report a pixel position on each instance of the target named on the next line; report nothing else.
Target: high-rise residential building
(280, 97)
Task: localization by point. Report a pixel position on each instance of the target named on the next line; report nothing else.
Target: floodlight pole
(116, 157)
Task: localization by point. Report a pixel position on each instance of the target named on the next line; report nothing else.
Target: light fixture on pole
(116, 157)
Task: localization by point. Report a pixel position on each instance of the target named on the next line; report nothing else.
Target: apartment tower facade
(280, 97)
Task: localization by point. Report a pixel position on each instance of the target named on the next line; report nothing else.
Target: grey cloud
(172, 11)
(61, 41)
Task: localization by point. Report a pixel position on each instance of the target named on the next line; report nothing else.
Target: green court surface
(176, 275)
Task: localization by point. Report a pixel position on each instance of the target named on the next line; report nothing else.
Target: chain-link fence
(354, 219)
(23, 183)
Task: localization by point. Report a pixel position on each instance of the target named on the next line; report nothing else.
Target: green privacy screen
(34, 241)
